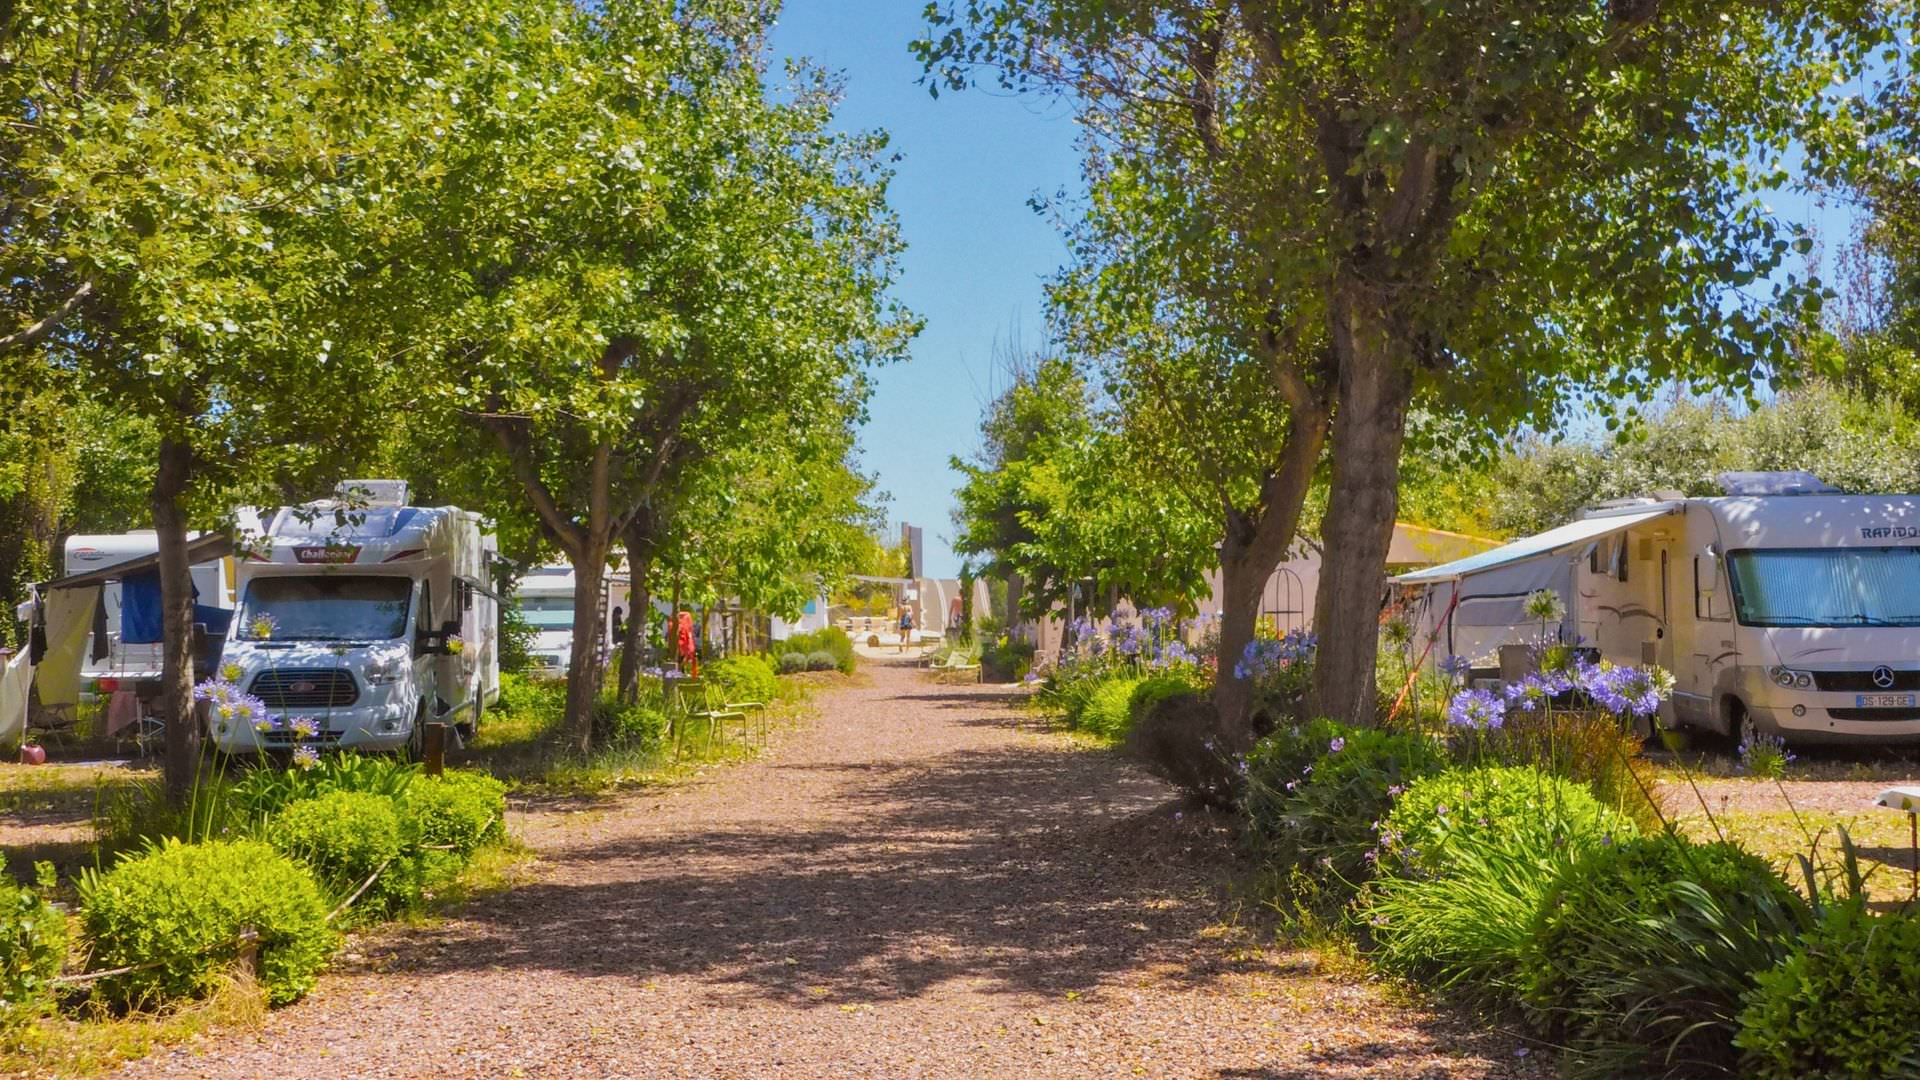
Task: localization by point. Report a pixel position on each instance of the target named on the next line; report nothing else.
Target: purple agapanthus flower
(1481, 710)
(1456, 667)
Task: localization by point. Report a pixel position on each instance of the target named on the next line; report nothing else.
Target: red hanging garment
(689, 655)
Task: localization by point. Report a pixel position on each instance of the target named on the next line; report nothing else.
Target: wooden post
(434, 757)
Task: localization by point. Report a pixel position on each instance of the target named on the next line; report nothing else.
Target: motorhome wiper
(1800, 620)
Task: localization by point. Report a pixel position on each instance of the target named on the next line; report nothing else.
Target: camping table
(1907, 801)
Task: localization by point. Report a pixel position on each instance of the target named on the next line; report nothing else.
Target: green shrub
(792, 663)
(181, 908)
(1330, 819)
(1108, 713)
(1466, 858)
(1514, 805)
(264, 790)
(343, 837)
(1641, 953)
(524, 695)
(1154, 689)
(1279, 763)
(1005, 659)
(833, 641)
(1842, 1004)
(821, 660)
(33, 946)
(1175, 742)
(638, 725)
(458, 810)
(744, 678)
(1584, 745)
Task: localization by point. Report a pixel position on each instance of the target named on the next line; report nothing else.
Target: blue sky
(976, 253)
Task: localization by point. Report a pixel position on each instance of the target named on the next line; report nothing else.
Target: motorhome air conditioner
(1784, 482)
(372, 494)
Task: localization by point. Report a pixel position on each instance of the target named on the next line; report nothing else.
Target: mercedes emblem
(1883, 677)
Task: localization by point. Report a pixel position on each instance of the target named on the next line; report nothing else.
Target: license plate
(1883, 701)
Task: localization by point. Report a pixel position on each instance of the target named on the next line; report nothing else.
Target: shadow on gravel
(1031, 868)
(1019, 869)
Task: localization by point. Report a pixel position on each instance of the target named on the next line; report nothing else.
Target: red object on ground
(31, 754)
(689, 655)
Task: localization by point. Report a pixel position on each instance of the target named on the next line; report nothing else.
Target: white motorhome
(545, 597)
(365, 616)
(1780, 606)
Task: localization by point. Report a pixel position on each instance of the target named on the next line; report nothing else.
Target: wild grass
(91, 1040)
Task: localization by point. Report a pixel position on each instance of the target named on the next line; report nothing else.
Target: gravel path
(918, 882)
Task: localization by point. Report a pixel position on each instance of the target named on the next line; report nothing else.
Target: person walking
(906, 626)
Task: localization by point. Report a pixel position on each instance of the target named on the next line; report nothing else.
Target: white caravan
(368, 617)
(126, 622)
(1781, 606)
(95, 633)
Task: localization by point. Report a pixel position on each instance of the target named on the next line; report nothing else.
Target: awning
(203, 548)
(1540, 544)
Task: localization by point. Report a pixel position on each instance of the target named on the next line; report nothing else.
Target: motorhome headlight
(383, 671)
(1791, 679)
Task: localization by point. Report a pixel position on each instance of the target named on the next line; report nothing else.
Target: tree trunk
(1376, 386)
(176, 620)
(639, 617)
(1251, 547)
(1015, 586)
(584, 672)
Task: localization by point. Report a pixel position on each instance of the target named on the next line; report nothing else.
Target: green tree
(193, 203)
(1500, 209)
(650, 255)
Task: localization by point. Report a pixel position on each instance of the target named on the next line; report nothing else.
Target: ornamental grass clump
(1640, 955)
(1108, 713)
(1842, 1004)
(1465, 858)
(348, 838)
(33, 947)
(177, 912)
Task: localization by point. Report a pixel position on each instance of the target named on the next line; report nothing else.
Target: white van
(368, 618)
(1781, 606)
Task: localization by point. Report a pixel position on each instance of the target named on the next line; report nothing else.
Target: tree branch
(34, 333)
(520, 457)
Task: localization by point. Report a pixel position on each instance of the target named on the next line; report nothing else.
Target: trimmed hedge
(33, 946)
(793, 663)
(1641, 952)
(181, 907)
(1842, 1004)
(343, 837)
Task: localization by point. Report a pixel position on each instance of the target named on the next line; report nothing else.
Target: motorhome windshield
(324, 608)
(548, 612)
(1827, 586)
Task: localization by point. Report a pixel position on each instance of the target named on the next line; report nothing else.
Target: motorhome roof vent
(1786, 482)
(371, 493)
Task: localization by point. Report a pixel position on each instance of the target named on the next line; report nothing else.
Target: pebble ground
(919, 881)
